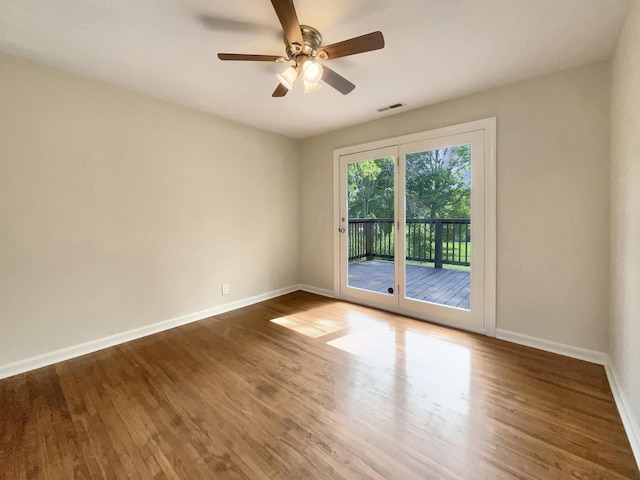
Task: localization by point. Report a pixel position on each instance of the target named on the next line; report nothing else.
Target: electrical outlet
(225, 289)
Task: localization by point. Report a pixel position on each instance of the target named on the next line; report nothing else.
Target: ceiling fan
(304, 48)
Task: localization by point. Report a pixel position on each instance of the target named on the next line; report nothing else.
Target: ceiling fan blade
(289, 20)
(337, 81)
(251, 58)
(361, 44)
(280, 91)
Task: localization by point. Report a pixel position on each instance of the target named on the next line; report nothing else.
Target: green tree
(438, 183)
(371, 188)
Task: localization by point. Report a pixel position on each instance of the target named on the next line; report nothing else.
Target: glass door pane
(438, 225)
(368, 226)
(441, 222)
(371, 233)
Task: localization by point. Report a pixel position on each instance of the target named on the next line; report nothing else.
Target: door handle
(341, 230)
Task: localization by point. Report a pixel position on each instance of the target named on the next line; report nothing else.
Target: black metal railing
(441, 241)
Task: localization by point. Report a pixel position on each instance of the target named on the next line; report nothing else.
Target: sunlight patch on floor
(432, 370)
(311, 328)
(373, 345)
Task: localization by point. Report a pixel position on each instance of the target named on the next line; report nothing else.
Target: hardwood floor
(304, 387)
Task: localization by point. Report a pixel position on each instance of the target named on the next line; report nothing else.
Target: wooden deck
(445, 286)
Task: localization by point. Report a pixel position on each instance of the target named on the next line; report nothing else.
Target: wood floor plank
(302, 386)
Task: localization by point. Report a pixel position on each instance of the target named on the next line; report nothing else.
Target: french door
(369, 182)
(412, 228)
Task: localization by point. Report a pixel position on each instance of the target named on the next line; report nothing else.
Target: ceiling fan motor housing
(312, 40)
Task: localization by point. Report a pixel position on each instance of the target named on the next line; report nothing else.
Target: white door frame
(488, 125)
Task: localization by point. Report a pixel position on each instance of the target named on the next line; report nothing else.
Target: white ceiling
(435, 50)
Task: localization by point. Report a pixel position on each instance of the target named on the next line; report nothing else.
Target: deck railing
(441, 241)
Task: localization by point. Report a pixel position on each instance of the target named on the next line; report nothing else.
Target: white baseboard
(316, 290)
(554, 347)
(629, 420)
(49, 358)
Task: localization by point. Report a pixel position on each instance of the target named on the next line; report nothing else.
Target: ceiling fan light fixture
(310, 86)
(287, 77)
(312, 71)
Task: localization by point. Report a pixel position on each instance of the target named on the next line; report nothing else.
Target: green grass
(445, 265)
(453, 251)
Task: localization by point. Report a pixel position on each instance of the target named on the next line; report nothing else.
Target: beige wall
(118, 210)
(625, 212)
(552, 194)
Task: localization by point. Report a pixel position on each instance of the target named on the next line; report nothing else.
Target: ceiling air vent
(391, 107)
